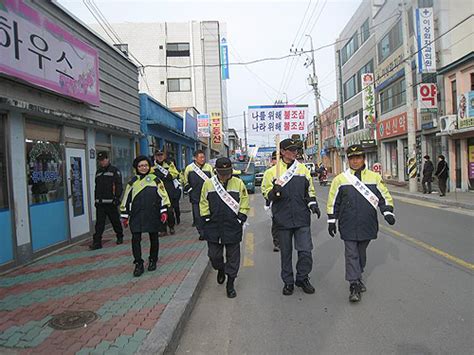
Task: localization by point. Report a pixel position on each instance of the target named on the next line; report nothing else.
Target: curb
(164, 337)
(467, 206)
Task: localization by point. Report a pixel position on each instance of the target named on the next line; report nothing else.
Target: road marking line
(252, 212)
(430, 248)
(249, 249)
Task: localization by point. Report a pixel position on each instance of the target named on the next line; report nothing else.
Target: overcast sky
(255, 29)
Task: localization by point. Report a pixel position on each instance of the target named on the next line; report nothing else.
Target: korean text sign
(203, 125)
(217, 138)
(368, 99)
(427, 97)
(425, 40)
(393, 126)
(278, 119)
(38, 51)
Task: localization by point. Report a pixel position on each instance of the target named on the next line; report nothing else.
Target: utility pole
(245, 135)
(313, 81)
(409, 95)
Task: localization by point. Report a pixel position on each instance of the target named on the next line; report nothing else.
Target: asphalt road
(419, 301)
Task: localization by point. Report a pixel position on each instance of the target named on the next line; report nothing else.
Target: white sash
(198, 171)
(286, 177)
(225, 196)
(164, 171)
(362, 188)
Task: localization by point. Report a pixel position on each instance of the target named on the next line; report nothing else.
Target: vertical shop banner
(76, 186)
(278, 119)
(368, 99)
(224, 59)
(40, 52)
(425, 40)
(217, 138)
(427, 97)
(471, 162)
(340, 133)
(466, 110)
(203, 126)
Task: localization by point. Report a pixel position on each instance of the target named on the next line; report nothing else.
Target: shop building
(65, 94)
(331, 152)
(168, 131)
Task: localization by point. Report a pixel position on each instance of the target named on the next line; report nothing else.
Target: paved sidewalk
(456, 199)
(101, 281)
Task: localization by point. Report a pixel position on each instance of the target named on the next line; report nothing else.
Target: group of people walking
(220, 205)
(442, 173)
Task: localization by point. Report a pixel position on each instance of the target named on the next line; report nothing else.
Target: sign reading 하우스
(203, 126)
(216, 131)
(38, 51)
(425, 40)
(278, 119)
(368, 99)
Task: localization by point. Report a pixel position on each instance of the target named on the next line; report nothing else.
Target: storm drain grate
(72, 320)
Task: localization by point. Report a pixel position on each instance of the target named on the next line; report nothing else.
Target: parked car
(246, 174)
(259, 170)
(312, 168)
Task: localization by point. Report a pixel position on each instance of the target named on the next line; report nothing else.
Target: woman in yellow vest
(144, 208)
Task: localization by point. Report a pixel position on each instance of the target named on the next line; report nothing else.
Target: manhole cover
(72, 319)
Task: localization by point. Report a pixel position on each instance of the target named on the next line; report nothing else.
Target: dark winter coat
(428, 169)
(442, 171)
(108, 185)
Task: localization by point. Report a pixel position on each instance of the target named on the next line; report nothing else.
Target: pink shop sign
(40, 52)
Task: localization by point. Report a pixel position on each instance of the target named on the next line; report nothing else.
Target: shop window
(122, 156)
(177, 50)
(3, 168)
(45, 166)
(179, 85)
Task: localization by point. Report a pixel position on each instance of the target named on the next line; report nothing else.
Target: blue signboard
(224, 59)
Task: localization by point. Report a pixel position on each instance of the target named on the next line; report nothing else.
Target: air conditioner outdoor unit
(447, 123)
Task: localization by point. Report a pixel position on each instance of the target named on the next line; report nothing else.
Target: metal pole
(316, 119)
(409, 95)
(245, 135)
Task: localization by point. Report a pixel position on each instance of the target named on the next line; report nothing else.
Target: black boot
(172, 230)
(139, 269)
(178, 219)
(362, 286)
(119, 240)
(230, 287)
(354, 292)
(288, 289)
(152, 265)
(95, 246)
(305, 285)
(220, 277)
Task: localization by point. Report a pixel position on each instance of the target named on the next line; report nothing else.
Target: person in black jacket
(144, 207)
(108, 190)
(442, 172)
(428, 169)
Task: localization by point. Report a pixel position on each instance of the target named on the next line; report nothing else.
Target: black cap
(102, 156)
(289, 144)
(274, 154)
(223, 166)
(159, 152)
(355, 149)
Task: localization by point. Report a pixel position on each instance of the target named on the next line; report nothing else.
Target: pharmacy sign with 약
(278, 119)
(40, 52)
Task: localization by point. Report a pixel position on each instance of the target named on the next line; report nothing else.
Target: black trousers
(276, 242)
(304, 246)
(355, 253)
(137, 247)
(426, 182)
(232, 257)
(197, 221)
(103, 211)
(442, 185)
(174, 213)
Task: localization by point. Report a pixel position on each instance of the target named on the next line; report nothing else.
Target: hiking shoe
(354, 292)
(288, 289)
(305, 285)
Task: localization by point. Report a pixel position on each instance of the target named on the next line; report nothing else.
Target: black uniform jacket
(108, 185)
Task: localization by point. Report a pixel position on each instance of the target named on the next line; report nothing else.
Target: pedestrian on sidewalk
(224, 205)
(353, 200)
(293, 200)
(167, 172)
(428, 169)
(194, 176)
(442, 172)
(107, 193)
(144, 208)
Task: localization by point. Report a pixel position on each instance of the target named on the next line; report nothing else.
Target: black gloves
(315, 209)
(242, 217)
(275, 193)
(332, 229)
(390, 218)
